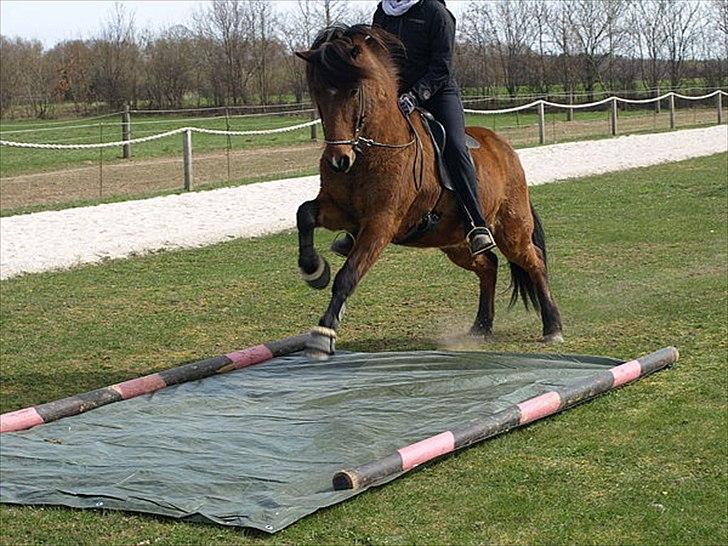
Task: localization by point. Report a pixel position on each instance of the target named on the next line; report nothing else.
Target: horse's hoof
(320, 278)
(553, 338)
(321, 344)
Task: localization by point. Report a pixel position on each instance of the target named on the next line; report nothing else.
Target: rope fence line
(260, 132)
(210, 108)
(486, 98)
(49, 146)
(595, 103)
(157, 122)
(147, 133)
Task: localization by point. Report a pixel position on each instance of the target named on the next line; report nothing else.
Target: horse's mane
(334, 61)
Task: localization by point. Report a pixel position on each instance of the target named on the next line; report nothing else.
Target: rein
(359, 139)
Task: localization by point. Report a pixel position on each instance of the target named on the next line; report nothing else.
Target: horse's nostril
(344, 163)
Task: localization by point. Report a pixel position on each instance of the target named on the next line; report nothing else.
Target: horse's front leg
(313, 267)
(370, 243)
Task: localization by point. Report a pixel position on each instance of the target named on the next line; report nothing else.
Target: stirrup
(480, 240)
(343, 243)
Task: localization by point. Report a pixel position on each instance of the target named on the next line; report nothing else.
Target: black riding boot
(448, 110)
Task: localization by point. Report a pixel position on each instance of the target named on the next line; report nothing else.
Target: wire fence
(264, 148)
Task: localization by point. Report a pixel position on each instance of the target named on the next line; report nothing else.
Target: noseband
(358, 139)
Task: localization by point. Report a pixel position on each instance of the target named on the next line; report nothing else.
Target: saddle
(438, 137)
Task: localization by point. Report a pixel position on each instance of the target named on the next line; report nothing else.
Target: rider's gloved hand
(407, 103)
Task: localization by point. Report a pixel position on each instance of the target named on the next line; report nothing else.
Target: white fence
(538, 105)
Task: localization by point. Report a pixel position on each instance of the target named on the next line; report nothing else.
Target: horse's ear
(305, 55)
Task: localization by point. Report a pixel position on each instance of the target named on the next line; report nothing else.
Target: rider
(427, 31)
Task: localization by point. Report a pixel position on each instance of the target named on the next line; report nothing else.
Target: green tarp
(258, 447)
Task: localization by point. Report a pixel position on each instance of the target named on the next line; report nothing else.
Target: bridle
(358, 139)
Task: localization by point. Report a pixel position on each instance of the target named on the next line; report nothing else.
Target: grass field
(638, 261)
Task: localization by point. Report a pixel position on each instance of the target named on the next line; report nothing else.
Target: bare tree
(562, 40)
(539, 13)
(475, 31)
(594, 24)
(647, 21)
(27, 77)
(115, 66)
(169, 66)
(224, 26)
(507, 26)
(298, 31)
(71, 60)
(263, 21)
(681, 27)
(331, 11)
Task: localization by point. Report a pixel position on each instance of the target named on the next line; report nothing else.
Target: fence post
(719, 106)
(614, 116)
(672, 111)
(313, 127)
(570, 111)
(657, 102)
(541, 124)
(126, 132)
(187, 151)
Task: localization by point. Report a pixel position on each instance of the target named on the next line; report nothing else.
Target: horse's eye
(353, 92)
(355, 52)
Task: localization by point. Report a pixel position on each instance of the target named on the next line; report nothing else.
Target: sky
(52, 21)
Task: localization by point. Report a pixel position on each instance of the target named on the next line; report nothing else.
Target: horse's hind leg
(530, 279)
(485, 266)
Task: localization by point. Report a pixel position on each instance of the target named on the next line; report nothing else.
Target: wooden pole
(187, 152)
(541, 124)
(313, 127)
(101, 160)
(73, 405)
(614, 116)
(126, 132)
(570, 111)
(229, 141)
(530, 410)
(657, 102)
(719, 106)
(672, 111)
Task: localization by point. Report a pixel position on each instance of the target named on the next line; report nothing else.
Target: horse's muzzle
(341, 162)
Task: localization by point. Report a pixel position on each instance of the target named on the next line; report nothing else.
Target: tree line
(235, 52)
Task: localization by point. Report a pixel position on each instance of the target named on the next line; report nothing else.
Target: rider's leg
(447, 108)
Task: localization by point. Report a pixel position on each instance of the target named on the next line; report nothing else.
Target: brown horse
(379, 179)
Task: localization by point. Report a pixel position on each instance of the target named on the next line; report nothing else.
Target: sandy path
(61, 239)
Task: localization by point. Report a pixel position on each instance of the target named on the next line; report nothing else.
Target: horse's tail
(521, 282)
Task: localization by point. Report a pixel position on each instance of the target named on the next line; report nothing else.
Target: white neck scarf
(397, 7)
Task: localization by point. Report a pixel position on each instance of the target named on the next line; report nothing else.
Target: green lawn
(638, 262)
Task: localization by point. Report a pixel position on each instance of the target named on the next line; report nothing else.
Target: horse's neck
(385, 122)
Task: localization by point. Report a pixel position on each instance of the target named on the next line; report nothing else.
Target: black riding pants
(447, 108)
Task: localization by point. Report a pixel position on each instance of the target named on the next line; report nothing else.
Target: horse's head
(340, 60)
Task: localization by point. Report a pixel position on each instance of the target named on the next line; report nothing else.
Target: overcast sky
(52, 21)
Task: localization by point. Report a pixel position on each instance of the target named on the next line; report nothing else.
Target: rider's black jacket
(427, 31)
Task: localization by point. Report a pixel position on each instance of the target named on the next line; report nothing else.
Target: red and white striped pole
(73, 405)
(528, 411)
